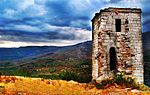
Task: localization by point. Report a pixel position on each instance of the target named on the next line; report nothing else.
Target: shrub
(52, 70)
(21, 72)
(84, 78)
(128, 81)
(2, 86)
(120, 80)
(1, 73)
(104, 83)
(68, 75)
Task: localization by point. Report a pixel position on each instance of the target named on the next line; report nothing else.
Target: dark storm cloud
(23, 36)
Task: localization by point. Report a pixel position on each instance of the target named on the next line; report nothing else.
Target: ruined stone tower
(117, 43)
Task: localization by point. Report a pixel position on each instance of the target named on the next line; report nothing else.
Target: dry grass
(38, 86)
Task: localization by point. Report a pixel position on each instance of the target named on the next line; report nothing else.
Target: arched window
(112, 58)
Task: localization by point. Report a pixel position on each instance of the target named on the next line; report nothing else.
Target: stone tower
(117, 43)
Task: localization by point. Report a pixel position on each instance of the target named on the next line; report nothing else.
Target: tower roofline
(119, 10)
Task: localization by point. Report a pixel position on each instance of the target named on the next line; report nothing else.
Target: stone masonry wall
(127, 43)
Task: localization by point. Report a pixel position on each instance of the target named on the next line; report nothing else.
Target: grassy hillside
(74, 61)
(37, 86)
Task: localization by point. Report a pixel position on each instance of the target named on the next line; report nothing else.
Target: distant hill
(146, 51)
(146, 40)
(12, 54)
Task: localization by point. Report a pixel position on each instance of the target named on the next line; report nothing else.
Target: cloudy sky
(55, 22)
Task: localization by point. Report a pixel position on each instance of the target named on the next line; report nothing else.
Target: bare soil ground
(10, 85)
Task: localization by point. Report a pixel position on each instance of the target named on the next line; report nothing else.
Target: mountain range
(13, 54)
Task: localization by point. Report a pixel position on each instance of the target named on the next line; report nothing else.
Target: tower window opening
(118, 25)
